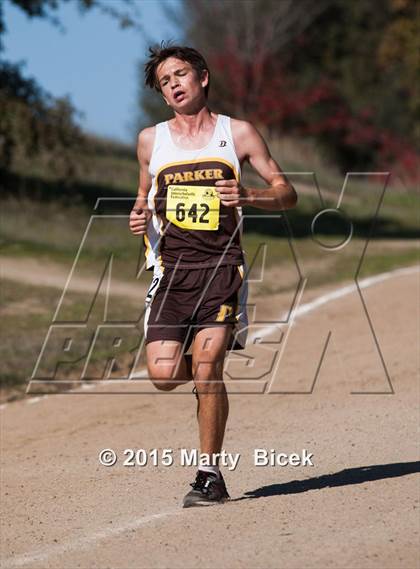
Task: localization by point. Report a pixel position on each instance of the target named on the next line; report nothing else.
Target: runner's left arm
(250, 146)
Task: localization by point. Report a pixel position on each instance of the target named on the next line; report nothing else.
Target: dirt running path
(358, 506)
(30, 271)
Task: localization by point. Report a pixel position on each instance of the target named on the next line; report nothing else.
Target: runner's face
(179, 83)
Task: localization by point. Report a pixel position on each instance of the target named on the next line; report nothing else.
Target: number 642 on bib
(193, 207)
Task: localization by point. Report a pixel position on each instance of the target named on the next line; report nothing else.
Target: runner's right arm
(140, 215)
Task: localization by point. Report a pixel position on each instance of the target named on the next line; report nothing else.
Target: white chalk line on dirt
(84, 542)
(297, 313)
(334, 295)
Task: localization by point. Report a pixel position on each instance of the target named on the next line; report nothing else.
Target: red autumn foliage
(266, 93)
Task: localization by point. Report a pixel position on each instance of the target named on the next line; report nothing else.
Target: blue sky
(93, 61)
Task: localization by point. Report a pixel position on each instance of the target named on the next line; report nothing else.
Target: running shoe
(207, 490)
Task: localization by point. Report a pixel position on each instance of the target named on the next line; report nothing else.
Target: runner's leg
(209, 350)
(167, 365)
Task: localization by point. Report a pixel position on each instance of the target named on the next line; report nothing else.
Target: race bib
(193, 207)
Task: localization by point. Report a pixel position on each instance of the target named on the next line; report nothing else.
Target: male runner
(189, 211)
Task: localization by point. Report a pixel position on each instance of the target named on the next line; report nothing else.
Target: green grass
(103, 162)
(52, 232)
(324, 267)
(27, 313)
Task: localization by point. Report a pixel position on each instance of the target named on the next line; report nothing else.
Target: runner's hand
(139, 219)
(231, 193)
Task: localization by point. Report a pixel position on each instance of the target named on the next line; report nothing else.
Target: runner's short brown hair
(158, 54)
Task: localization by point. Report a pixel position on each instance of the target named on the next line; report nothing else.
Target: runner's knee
(163, 385)
(163, 369)
(162, 377)
(208, 377)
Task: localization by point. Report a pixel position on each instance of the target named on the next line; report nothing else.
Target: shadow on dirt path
(346, 477)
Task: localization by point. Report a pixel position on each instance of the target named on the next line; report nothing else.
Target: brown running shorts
(188, 300)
